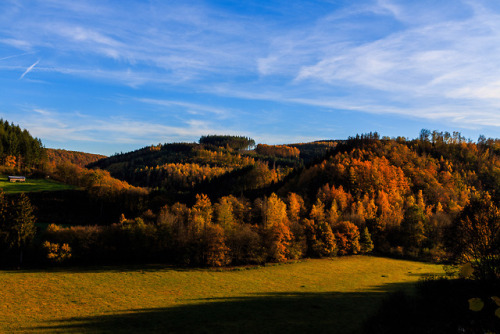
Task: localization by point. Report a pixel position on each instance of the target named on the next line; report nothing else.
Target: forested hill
(22, 152)
(188, 167)
(226, 200)
(216, 205)
(18, 149)
(59, 156)
(442, 167)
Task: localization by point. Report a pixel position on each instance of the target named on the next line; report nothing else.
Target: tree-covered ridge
(183, 166)
(406, 192)
(314, 150)
(214, 205)
(176, 176)
(18, 149)
(59, 156)
(277, 150)
(174, 165)
(395, 196)
(233, 142)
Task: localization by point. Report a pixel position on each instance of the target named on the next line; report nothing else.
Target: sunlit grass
(31, 185)
(313, 294)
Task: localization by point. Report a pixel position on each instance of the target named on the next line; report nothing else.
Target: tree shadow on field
(297, 312)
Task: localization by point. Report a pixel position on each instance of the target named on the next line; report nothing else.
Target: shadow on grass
(298, 312)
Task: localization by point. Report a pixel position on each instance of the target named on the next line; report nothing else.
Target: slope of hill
(190, 167)
(59, 156)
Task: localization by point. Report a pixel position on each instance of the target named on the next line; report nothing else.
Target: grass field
(316, 296)
(31, 185)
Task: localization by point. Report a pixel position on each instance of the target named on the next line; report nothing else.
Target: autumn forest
(229, 202)
(225, 201)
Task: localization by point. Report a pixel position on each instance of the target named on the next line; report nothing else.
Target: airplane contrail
(29, 69)
(14, 56)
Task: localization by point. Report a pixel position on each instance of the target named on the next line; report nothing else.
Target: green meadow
(317, 296)
(31, 185)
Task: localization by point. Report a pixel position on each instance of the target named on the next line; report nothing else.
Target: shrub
(57, 253)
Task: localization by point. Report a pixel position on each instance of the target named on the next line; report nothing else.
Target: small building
(17, 179)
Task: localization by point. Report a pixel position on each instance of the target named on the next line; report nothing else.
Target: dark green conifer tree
(365, 241)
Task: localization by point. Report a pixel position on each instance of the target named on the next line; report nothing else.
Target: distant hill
(212, 166)
(58, 156)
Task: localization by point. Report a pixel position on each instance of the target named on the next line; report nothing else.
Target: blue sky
(112, 76)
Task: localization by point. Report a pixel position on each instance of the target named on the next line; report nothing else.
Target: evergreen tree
(19, 225)
(365, 241)
(413, 227)
(18, 148)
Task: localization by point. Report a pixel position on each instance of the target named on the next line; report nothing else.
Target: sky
(113, 76)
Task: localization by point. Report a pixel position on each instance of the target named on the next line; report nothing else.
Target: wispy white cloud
(18, 55)
(192, 108)
(422, 59)
(184, 41)
(29, 69)
(42, 112)
(392, 8)
(61, 127)
(17, 43)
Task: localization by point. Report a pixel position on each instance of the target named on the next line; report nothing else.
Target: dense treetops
(18, 149)
(234, 142)
(277, 150)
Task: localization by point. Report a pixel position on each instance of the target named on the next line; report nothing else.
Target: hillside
(394, 194)
(82, 159)
(180, 168)
(58, 186)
